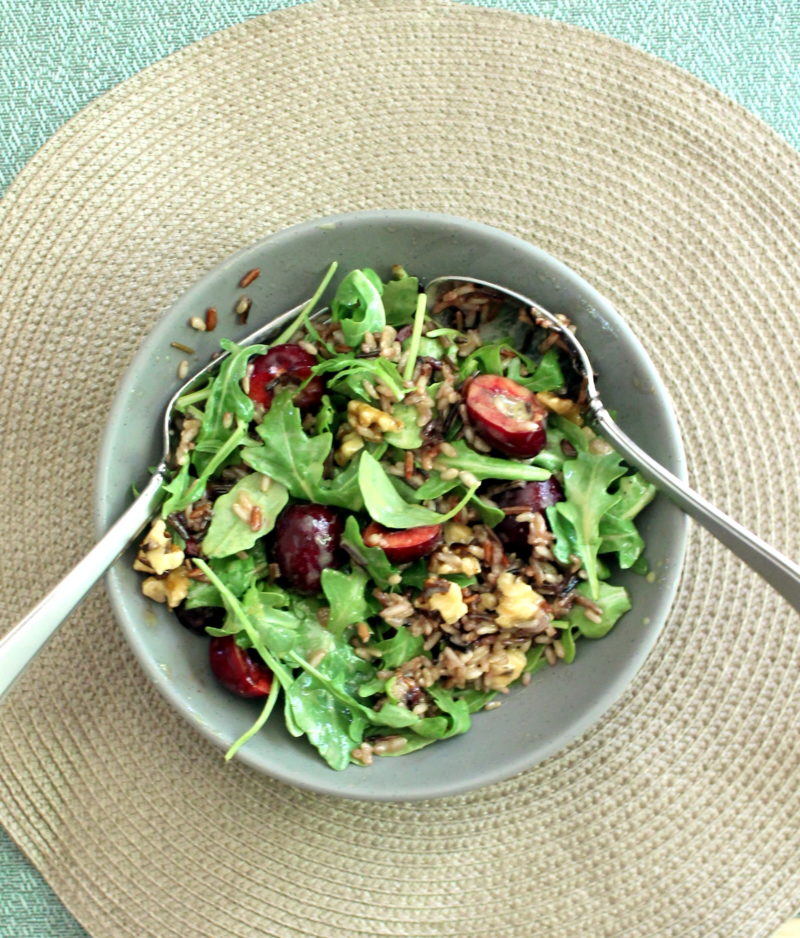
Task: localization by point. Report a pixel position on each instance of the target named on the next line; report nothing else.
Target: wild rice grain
(249, 277)
(197, 323)
(183, 369)
(183, 348)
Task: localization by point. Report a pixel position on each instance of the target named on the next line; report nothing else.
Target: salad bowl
(533, 722)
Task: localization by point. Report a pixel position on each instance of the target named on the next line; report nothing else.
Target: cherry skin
(282, 366)
(403, 546)
(535, 496)
(507, 415)
(307, 539)
(237, 669)
(196, 620)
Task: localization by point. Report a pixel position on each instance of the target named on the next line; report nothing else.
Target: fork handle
(777, 569)
(26, 639)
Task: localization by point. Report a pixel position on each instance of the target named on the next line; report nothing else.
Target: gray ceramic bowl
(561, 702)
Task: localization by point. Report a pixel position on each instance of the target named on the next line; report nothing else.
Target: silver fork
(27, 638)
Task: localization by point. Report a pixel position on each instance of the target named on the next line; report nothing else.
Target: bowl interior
(561, 702)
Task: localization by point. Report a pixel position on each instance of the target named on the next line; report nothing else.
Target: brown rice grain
(256, 518)
(550, 654)
(559, 648)
(211, 319)
(249, 277)
(242, 513)
(183, 368)
(264, 483)
(197, 323)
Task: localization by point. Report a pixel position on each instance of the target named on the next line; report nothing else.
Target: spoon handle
(778, 570)
(26, 639)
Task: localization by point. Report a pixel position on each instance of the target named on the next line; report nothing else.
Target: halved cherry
(535, 496)
(282, 366)
(307, 539)
(198, 619)
(404, 546)
(507, 415)
(237, 669)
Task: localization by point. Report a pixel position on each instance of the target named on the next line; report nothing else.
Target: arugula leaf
(225, 397)
(401, 647)
(237, 573)
(487, 359)
(416, 336)
(491, 515)
(410, 437)
(347, 374)
(303, 317)
(177, 488)
(616, 526)
(228, 533)
(567, 639)
(374, 559)
(613, 601)
(548, 375)
(385, 505)
(345, 595)
(325, 416)
(476, 699)
(185, 495)
(357, 305)
(490, 467)
(400, 300)
(576, 521)
(297, 461)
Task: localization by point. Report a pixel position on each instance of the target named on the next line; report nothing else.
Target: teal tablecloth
(59, 54)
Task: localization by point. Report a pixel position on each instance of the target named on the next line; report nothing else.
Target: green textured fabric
(57, 55)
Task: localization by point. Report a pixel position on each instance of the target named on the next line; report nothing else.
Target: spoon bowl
(778, 570)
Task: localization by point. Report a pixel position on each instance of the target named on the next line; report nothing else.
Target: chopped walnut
(562, 406)
(366, 417)
(351, 443)
(171, 589)
(157, 554)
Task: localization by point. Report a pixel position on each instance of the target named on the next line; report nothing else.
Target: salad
(391, 515)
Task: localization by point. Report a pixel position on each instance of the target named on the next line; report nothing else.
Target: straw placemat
(678, 816)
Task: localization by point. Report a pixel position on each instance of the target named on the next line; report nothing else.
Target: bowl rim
(445, 786)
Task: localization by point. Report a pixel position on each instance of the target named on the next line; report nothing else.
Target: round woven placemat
(678, 816)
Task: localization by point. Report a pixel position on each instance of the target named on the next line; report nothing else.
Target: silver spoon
(778, 570)
(26, 639)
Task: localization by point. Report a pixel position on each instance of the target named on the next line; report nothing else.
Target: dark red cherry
(197, 619)
(507, 415)
(535, 496)
(283, 366)
(404, 546)
(240, 671)
(307, 541)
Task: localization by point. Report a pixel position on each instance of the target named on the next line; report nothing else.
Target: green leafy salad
(392, 514)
